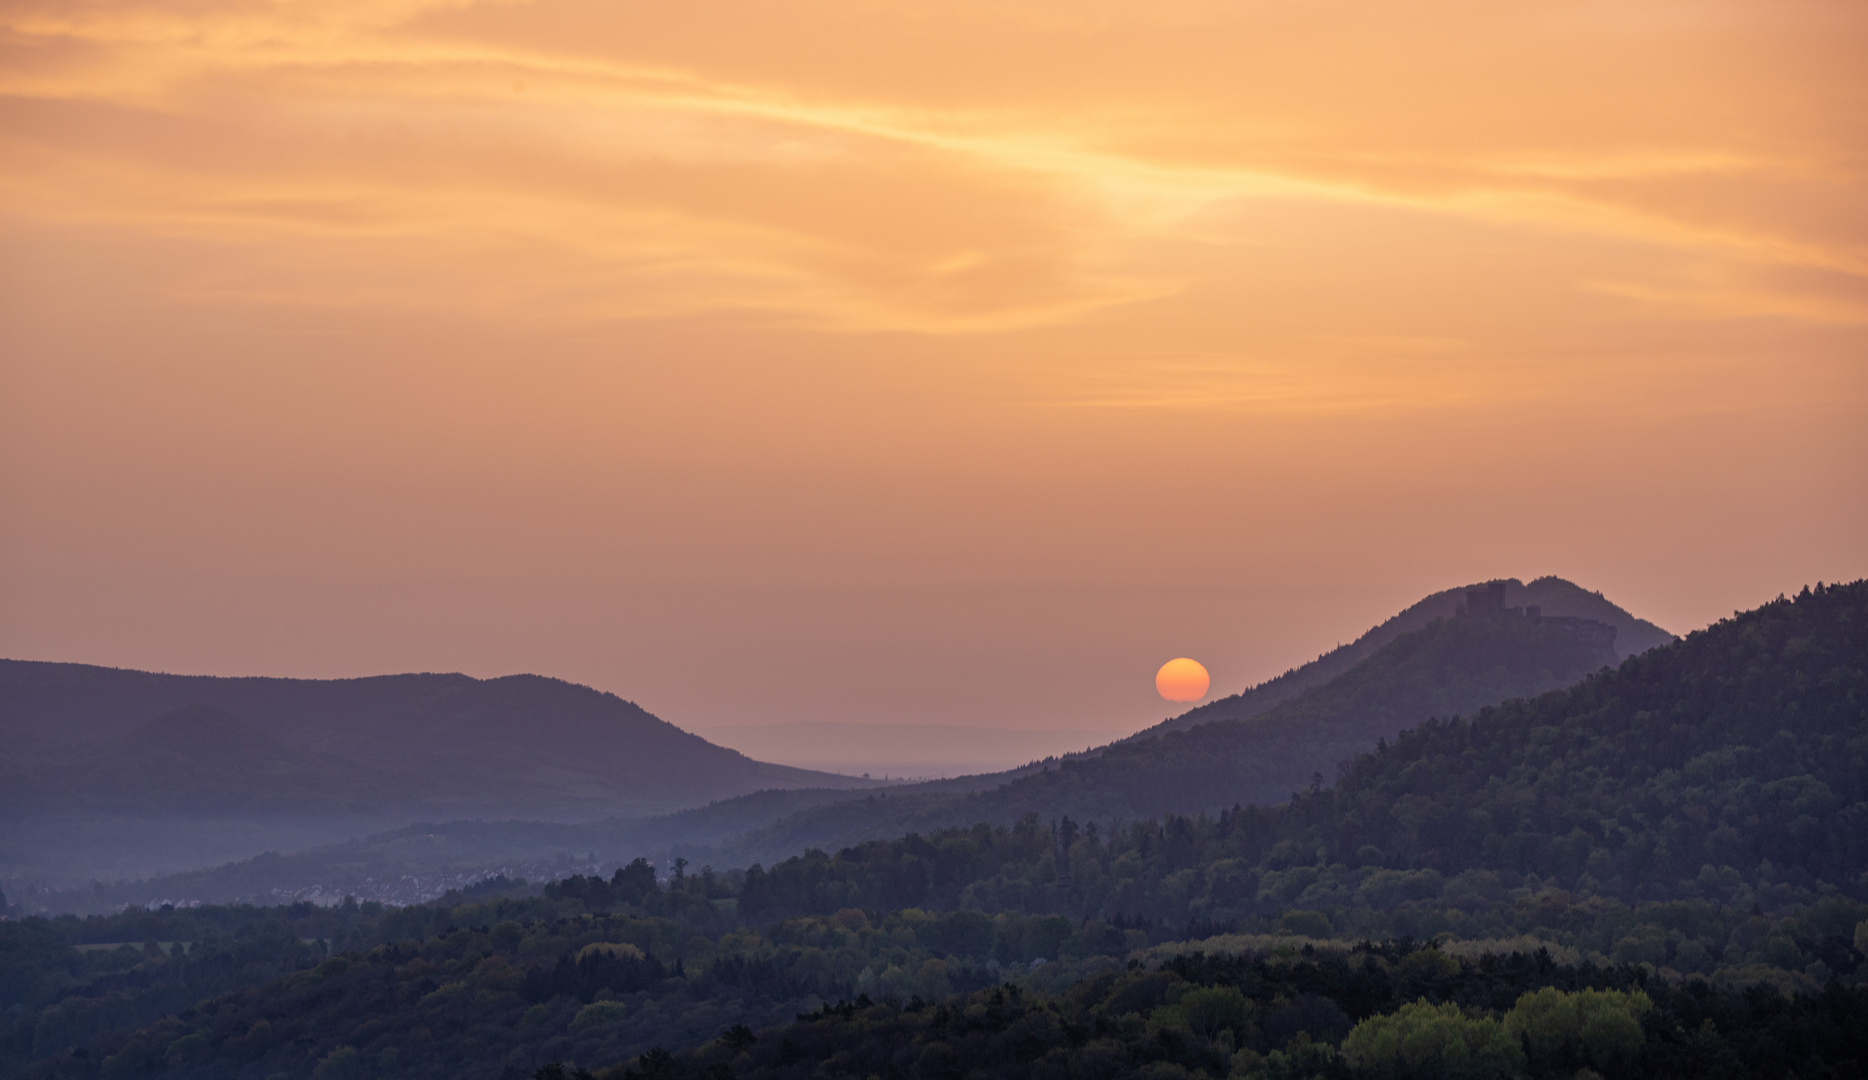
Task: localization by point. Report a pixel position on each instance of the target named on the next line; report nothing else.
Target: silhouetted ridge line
(97, 756)
(1554, 598)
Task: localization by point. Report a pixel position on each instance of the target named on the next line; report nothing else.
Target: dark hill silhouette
(521, 745)
(1726, 772)
(531, 747)
(89, 785)
(1554, 595)
(1449, 667)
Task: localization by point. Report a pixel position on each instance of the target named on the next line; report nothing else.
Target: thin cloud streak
(1086, 186)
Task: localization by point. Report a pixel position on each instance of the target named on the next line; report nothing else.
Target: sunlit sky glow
(904, 362)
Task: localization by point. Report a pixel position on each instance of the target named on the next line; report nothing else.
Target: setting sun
(1182, 680)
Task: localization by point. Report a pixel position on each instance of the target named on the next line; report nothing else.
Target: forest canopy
(1659, 871)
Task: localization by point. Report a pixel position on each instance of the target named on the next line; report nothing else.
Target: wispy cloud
(835, 164)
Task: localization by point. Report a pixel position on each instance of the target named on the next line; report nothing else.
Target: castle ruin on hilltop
(1488, 602)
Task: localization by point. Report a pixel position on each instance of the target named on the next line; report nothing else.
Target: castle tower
(1487, 602)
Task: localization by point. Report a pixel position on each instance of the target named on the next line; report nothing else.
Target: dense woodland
(1395, 1011)
(935, 994)
(1660, 870)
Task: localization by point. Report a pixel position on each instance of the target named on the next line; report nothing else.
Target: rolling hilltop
(1432, 659)
(1404, 688)
(1446, 668)
(100, 760)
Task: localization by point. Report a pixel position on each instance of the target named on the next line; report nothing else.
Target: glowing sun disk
(1182, 679)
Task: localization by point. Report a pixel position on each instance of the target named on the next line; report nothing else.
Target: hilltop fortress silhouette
(1488, 602)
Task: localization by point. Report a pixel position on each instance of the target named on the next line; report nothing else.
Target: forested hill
(1729, 768)
(1450, 666)
(1553, 594)
(1460, 686)
(1745, 746)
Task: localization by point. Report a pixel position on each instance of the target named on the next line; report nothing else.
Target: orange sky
(904, 362)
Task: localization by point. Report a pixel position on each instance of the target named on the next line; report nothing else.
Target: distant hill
(1555, 596)
(1448, 667)
(522, 745)
(94, 760)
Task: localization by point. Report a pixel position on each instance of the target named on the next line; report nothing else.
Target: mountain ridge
(1560, 599)
(1449, 667)
(487, 730)
(346, 758)
(767, 812)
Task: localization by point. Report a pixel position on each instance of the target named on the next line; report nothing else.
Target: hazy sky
(950, 363)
